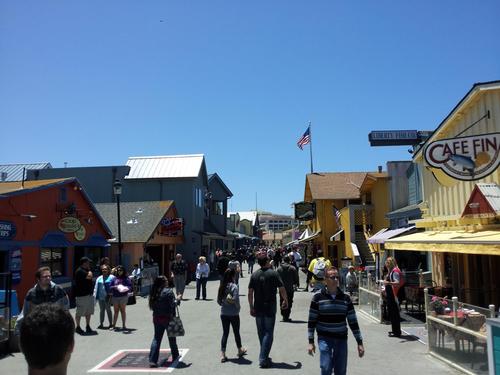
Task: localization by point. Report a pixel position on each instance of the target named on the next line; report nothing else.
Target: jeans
(265, 330)
(332, 355)
(250, 267)
(286, 313)
(154, 352)
(234, 321)
(203, 284)
(394, 316)
(105, 307)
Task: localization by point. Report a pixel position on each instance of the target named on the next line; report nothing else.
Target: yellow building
(460, 216)
(361, 199)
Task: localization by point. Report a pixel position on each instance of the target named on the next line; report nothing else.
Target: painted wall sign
(69, 224)
(16, 265)
(7, 230)
(171, 226)
(465, 158)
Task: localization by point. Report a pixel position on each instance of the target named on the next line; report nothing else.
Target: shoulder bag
(175, 327)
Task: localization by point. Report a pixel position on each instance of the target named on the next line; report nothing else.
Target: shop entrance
(93, 253)
(157, 255)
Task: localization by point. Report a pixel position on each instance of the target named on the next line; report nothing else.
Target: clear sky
(94, 82)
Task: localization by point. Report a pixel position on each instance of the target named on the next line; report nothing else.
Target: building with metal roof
(171, 166)
(17, 172)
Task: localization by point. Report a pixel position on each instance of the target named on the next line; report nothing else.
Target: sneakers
(266, 363)
(79, 331)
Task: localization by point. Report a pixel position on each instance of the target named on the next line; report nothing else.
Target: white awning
(309, 236)
(355, 250)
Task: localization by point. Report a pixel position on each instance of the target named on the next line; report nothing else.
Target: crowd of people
(331, 309)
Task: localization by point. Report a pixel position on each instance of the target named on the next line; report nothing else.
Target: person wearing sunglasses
(330, 312)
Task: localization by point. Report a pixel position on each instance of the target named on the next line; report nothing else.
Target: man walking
(178, 272)
(290, 279)
(318, 263)
(262, 299)
(330, 312)
(84, 293)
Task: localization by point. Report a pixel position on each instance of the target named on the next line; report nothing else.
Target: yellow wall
(380, 202)
(450, 200)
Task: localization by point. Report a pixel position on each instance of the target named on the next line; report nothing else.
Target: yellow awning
(480, 243)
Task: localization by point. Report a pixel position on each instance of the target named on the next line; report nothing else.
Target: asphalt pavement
(201, 320)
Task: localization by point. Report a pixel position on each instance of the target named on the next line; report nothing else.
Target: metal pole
(455, 308)
(119, 230)
(311, 147)
(492, 311)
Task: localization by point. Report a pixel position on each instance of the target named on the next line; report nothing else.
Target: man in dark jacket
(290, 279)
(223, 264)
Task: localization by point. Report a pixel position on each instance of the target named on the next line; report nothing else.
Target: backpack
(319, 268)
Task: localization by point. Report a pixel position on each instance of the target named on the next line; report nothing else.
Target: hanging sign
(80, 233)
(69, 224)
(15, 265)
(171, 226)
(7, 230)
(465, 158)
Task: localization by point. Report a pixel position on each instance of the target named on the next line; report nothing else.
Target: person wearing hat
(262, 299)
(84, 295)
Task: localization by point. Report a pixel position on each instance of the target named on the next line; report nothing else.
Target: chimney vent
(4, 176)
(379, 169)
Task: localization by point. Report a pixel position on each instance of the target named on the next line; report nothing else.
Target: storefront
(47, 223)
(461, 198)
(150, 232)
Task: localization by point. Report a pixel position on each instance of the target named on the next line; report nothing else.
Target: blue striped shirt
(329, 316)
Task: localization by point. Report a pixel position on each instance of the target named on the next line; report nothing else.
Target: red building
(48, 223)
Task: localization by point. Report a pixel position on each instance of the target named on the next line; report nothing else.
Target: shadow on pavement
(287, 366)
(240, 361)
(182, 365)
(128, 331)
(293, 321)
(408, 338)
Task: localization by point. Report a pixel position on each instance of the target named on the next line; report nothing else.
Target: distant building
(18, 172)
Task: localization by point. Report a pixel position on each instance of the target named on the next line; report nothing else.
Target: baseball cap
(319, 270)
(85, 259)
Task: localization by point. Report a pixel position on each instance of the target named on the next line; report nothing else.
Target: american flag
(305, 139)
(337, 215)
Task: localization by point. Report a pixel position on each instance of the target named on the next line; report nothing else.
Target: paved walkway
(203, 332)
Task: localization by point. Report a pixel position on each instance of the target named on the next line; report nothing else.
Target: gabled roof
(173, 166)
(338, 185)
(15, 171)
(138, 219)
(215, 177)
(476, 89)
(251, 216)
(484, 200)
(11, 188)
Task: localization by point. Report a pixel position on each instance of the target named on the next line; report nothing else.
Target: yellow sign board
(69, 224)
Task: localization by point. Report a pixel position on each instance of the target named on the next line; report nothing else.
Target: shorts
(84, 305)
(119, 300)
(180, 283)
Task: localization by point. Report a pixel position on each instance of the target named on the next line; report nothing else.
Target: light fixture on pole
(117, 189)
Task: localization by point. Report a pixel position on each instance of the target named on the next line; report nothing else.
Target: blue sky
(93, 82)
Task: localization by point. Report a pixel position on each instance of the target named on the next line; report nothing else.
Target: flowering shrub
(438, 304)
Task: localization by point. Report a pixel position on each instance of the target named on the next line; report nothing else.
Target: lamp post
(117, 189)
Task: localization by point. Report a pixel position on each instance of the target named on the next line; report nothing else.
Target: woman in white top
(202, 272)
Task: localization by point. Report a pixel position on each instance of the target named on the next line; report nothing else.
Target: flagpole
(310, 146)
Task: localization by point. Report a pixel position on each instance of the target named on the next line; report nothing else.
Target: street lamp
(117, 189)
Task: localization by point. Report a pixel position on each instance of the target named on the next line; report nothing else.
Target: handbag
(175, 327)
(131, 299)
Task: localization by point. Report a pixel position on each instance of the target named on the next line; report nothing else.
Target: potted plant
(438, 305)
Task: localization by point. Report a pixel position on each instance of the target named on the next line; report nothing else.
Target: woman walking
(202, 272)
(120, 287)
(102, 294)
(229, 300)
(162, 302)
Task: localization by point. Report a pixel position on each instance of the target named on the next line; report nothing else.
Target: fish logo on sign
(465, 158)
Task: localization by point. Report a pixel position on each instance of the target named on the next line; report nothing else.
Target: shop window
(54, 259)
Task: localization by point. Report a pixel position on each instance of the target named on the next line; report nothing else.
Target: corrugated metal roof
(138, 219)
(14, 172)
(492, 194)
(174, 166)
(9, 187)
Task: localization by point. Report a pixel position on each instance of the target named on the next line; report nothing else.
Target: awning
(55, 239)
(480, 243)
(309, 236)
(355, 250)
(95, 240)
(382, 236)
(332, 238)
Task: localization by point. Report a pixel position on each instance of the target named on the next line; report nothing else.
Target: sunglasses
(334, 277)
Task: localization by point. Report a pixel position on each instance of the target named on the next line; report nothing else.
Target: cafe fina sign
(465, 158)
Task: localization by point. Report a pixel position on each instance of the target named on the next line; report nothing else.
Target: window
(62, 195)
(218, 208)
(54, 259)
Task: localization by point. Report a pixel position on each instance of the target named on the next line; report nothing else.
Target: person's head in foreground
(47, 339)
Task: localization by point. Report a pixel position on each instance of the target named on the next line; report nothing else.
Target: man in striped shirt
(330, 311)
